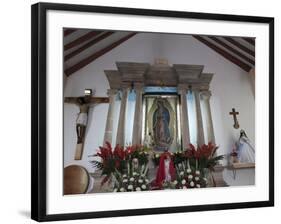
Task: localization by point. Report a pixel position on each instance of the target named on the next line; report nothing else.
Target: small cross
(234, 114)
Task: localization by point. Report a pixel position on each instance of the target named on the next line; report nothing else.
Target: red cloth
(160, 177)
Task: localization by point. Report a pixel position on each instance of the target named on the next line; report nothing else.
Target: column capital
(138, 86)
(111, 92)
(196, 91)
(182, 89)
(125, 85)
(205, 95)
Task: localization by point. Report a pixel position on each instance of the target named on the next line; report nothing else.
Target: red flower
(105, 152)
(130, 150)
(190, 152)
(119, 152)
(206, 151)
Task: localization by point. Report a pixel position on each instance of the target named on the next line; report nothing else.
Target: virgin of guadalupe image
(161, 132)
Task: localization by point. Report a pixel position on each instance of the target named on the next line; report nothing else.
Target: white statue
(245, 149)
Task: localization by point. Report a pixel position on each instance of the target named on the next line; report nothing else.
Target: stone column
(200, 129)
(205, 95)
(109, 122)
(137, 127)
(184, 118)
(120, 139)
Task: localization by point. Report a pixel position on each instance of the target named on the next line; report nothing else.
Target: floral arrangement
(192, 166)
(134, 181)
(114, 163)
(202, 157)
(233, 156)
(126, 168)
(188, 178)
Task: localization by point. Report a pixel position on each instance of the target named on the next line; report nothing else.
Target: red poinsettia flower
(130, 150)
(119, 152)
(209, 150)
(105, 152)
(190, 152)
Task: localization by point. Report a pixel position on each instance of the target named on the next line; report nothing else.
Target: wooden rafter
(96, 55)
(238, 53)
(81, 39)
(249, 40)
(224, 53)
(87, 45)
(68, 32)
(241, 46)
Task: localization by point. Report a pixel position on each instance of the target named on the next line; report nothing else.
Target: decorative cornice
(183, 75)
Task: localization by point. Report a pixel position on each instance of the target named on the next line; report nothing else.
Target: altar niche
(161, 119)
(161, 122)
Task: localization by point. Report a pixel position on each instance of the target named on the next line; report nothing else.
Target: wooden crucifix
(84, 103)
(234, 114)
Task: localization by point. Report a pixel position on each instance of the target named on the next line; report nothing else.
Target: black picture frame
(39, 114)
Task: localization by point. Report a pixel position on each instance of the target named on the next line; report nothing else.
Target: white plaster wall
(242, 177)
(140, 48)
(230, 88)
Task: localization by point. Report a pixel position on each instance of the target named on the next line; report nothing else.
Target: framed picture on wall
(138, 111)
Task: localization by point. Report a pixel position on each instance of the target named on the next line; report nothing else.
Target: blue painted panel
(159, 89)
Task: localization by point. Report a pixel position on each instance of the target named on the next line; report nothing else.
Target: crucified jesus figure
(84, 104)
(82, 118)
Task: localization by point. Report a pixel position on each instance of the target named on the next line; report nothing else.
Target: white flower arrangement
(188, 178)
(143, 187)
(133, 180)
(191, 184)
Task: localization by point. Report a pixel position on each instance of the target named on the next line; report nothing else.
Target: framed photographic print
(138, 111)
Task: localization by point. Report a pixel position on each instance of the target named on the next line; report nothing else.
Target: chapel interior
(164, 93)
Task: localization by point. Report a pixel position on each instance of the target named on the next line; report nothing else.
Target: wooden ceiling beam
(249, 40)
(224, 53)
(87, 45)
(81, 39)
(240, 46)
(238, 53)
(96, 55)
(67, 32)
